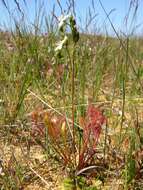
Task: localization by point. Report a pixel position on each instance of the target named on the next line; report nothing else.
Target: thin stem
(73, 110)
(124, 90)
(73, 97)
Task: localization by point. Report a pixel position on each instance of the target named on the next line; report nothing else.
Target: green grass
(108, 72)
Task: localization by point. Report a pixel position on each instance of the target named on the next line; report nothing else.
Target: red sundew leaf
(51, 124)
(55, 127)
(95, 120)
(91, 132)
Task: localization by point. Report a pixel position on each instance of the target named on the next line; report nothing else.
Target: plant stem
(124, 89)
(73, 110)
(73, 94)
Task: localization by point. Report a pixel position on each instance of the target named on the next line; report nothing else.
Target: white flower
(62, 20)
(61, 44)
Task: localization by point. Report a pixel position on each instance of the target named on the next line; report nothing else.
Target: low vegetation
(71, 107)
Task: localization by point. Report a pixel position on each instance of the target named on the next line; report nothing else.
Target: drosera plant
(61, 143)
(80, 69)
(77, 154)
(69, 20)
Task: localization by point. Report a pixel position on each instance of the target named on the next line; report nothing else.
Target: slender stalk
(73, 94)
(124, 91)
(73, 111)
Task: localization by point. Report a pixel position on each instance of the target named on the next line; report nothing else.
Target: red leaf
(91, 132)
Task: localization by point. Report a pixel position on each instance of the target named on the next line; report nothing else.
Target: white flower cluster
(62, 20)
(61, 44)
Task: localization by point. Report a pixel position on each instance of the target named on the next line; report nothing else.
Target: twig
(38, 175)
(45, 103)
